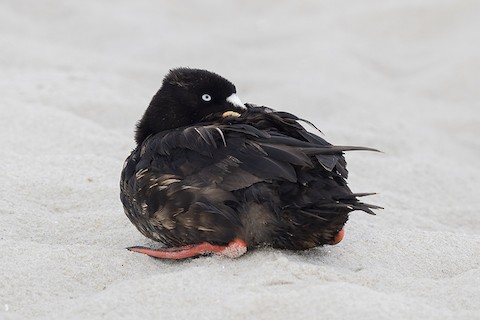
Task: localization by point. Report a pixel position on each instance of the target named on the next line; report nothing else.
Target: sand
(401, 76)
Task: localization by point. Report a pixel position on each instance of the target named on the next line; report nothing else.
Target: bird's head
(186, 97)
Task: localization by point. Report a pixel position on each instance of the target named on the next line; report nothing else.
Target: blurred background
(401, 76)
(327, 58)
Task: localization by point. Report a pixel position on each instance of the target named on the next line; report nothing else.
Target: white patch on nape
(235, 100)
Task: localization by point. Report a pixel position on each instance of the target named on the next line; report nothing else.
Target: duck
(212, 175)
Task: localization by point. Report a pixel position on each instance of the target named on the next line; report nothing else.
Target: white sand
(401, 76)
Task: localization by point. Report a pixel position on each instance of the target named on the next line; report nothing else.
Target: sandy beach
(400, 76)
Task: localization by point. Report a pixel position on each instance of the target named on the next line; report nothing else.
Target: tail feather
(335, 149)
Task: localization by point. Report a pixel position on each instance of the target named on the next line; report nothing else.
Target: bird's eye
(206, 97)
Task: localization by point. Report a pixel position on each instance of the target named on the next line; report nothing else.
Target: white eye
(206, 97)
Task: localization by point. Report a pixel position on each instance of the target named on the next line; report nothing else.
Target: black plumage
(209, 170)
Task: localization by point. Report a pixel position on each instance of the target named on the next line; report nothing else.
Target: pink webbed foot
(234, 249)
(338, 237)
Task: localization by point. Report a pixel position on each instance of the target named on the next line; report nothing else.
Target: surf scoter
(212, 175)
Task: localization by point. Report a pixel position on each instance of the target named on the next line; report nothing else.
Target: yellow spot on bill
(230, 114)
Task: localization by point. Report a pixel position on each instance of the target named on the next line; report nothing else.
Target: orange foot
(233, 250)
(338, 237)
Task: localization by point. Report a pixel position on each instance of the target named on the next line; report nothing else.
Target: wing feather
(214, 159)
